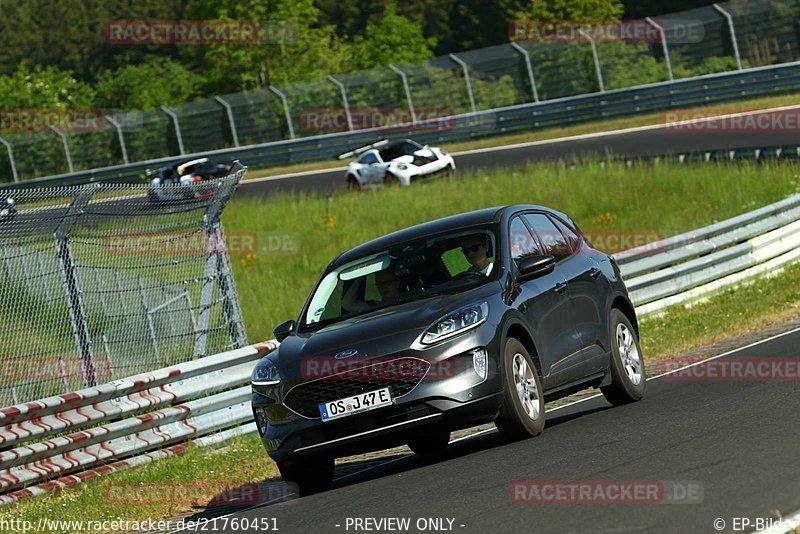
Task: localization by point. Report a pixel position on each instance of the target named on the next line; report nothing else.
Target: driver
(475, 248)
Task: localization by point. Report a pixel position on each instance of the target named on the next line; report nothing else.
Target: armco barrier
(652, 98)
(61, 441)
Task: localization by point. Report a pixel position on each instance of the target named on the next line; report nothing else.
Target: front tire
(352, 183)
(627, 364)
(312, 474)
(522, 411)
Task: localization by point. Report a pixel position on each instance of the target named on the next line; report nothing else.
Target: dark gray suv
(478, 317)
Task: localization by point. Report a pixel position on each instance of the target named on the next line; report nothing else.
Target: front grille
(305, 398)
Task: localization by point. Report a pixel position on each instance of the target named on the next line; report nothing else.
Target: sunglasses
(473, 248)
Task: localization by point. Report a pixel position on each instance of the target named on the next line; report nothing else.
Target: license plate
(355, 404)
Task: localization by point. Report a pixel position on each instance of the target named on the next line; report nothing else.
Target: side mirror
(536, 266)
(283, 330)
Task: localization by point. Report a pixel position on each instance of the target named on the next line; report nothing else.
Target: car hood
(378, 334)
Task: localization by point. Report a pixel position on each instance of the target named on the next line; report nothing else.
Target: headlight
(402, 166)
(10, 201)
(456, 323)
(265, 374)
(3, 213)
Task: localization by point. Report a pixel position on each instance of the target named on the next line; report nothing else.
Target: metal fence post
(464, 67)
(597, 68)
(286, 112)
(232, 123)
(177, 125)
(732, 29)
(528, 65)
(70, 282)
(664, 46)
(342, 89)
(407, 90)
(217, 270)
(11, 159)
(121, 138)
(63, 137)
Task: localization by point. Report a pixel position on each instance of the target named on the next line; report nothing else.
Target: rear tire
(522, 411)
(312, 474)
(627, 364)
(429, 442)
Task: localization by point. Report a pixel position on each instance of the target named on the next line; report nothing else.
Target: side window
(368, 158)
(573, 240)
(521, 243)
(554, 241)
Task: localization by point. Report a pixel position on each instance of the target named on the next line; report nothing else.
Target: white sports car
(394, 162)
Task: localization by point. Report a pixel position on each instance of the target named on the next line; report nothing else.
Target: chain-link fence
(724, 37)
(101, 282)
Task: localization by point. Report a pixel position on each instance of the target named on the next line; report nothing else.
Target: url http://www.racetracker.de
(46, 524)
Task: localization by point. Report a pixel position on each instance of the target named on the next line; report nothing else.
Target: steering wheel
(467, 274)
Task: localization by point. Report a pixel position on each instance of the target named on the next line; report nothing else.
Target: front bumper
(458, 398)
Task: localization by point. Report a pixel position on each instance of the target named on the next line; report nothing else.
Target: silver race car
(394, 162)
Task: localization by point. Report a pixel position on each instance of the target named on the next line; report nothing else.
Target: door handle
(561, 287)
(594, 272)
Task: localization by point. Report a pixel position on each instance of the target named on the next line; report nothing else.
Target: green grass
(556, 132)
(206, 473)
(768, 300)
(660, 199)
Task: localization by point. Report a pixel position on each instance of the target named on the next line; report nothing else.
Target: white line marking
(555, 140)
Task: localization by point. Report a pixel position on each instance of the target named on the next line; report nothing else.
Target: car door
(545, 304)
(373, 170)
(571, 267)
(589, 291)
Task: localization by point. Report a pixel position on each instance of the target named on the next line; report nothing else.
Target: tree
(43, 87)
(572, 10)
(146, 86)
(393, 39)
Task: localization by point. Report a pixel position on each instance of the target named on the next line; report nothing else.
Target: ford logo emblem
(346, 354)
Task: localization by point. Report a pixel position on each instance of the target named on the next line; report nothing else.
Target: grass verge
(555, 133)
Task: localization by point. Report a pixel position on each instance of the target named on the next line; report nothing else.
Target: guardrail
(688, 92)
(63, 440)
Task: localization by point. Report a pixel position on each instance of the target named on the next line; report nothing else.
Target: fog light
(479, 361)
(261, 420)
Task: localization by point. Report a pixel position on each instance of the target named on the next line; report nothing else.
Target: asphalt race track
(736, 440)
(714, 134)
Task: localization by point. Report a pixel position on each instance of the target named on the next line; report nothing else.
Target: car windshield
(414, 270)
(401, 148)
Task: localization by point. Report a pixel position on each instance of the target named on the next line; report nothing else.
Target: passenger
(388, 285)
